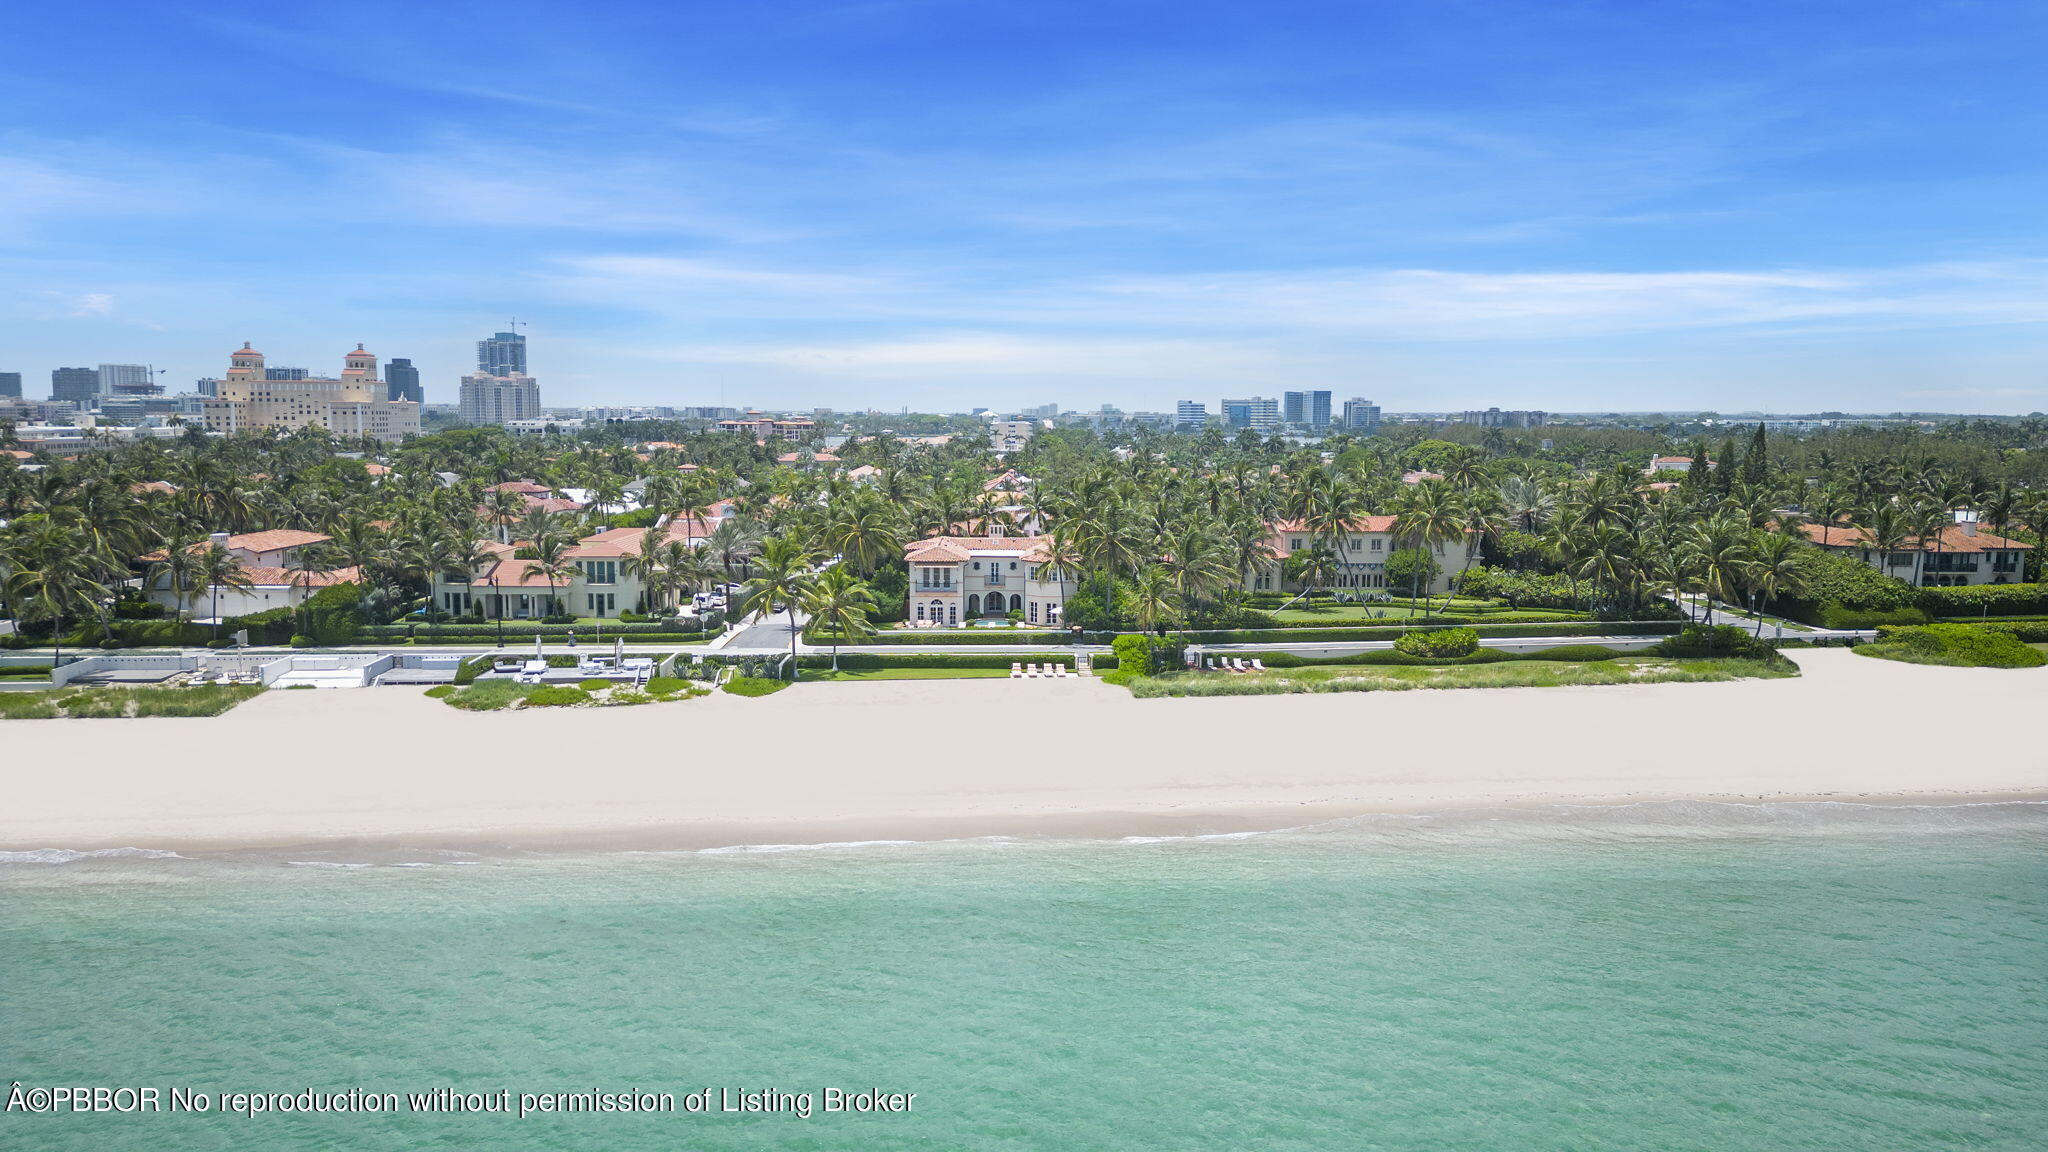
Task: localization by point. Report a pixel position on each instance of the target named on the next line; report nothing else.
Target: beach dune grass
(1514, 674)
(115, 703)
(826, 675)
(754, 686)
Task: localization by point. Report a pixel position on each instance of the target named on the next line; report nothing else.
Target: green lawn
(1515, 674)
(826, 674)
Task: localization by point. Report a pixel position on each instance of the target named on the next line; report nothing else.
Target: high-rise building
(1306, 409)
(285, 373)
(10, 384)
(74, 385)
(1495, 418)
(404, 380)
(352, 404)
(504, 354)
(1190, 414)
(127, 380)
(494, 399)
(1258, 413)
(1361, 415)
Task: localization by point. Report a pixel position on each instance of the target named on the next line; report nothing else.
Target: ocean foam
(70, 855)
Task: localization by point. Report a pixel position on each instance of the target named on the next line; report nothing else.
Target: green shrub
(441, 691)
(470, 669)
(557, 696)
(1855, 619)
(666, 685)
(1838, 581)
(595, 685)
(754, 686)
(1955, 646)
(628, 696)
(1716, 640)
(1984, 599)
(1141, 655)
(2028, 631)
(1439, 643)
(25, 672)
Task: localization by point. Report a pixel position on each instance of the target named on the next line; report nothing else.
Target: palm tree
(840, 602)
(305, 563)
(177, 571)
(1773, 572)
(1153, 597)
(219, 568)
(551, 562)
(783, 574)
(54, 571)
(1061, 562)
(734, 541)
(1430, 518)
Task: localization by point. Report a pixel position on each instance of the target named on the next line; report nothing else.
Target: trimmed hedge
(1439, 643)
(1485, 631)
(525, 628)
(2029, 631)
(1043, 639)
(1977, 599)
(1840, 618)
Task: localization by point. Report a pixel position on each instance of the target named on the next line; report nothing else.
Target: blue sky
(1436, 205)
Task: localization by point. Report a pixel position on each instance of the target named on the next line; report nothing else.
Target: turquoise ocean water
(1659, 976)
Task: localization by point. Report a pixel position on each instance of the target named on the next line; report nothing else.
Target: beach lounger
(1238, 665)
(1258, 665)
(1068, 673)
(1016, 669)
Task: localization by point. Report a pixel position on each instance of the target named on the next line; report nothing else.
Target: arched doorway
(974, 604)
(1016, 603)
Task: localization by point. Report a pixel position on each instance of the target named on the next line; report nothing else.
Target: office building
(503, 355)
(1258, 413)
(10, 384)
(127, 380)
(1495, 418)
(1190, 414)
(74, 385)
(285, 373)
(404, 381)
(1306, 409)
(353, 404)
(1361, 415)
(488, 398)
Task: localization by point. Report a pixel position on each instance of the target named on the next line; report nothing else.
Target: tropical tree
(782, 576)
(54, 571)
(219, 568)
(840, 602)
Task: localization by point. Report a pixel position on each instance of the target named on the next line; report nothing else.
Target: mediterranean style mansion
(964, 577)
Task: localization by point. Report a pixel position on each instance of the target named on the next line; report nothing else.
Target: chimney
(1966, 519)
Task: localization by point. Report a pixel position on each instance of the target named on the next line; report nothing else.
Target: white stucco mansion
(955, 578)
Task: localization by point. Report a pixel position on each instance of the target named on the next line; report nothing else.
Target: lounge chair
(1238, 665)
(1016, 670)
(1258, 665)
(1068, 673)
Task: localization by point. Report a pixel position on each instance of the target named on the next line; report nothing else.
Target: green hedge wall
(1982, 599)
(860, 660)
(1572, 652)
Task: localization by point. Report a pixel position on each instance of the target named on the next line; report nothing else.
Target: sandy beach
(924, 759)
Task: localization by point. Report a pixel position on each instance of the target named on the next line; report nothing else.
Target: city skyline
(939, 207)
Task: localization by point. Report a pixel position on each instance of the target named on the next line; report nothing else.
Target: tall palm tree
(306, 563)
(1062, 562)
(1773, 572)
(1154, 599)
(782, 573)
(178, 571)
(1428, 518)
(840, 602)
(219, 568)
(54, 571)
(550, 561)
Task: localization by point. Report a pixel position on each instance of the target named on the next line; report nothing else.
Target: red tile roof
(1952, 539)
